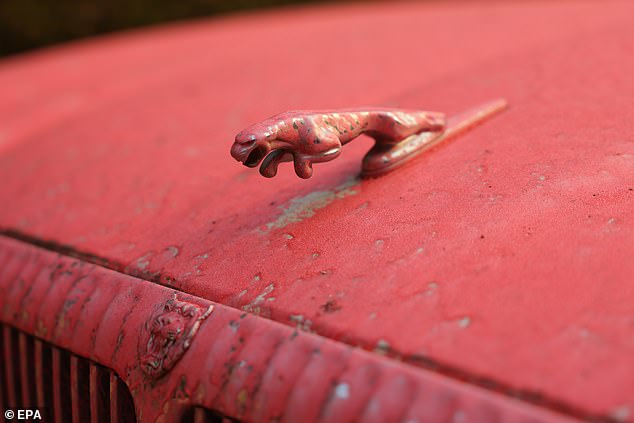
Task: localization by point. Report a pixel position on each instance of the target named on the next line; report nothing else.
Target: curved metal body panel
(499, 267)
(242, 365)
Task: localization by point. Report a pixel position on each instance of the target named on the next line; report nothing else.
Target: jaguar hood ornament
(307, 137)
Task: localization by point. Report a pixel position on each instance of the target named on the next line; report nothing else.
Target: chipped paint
(133, 306)
(301, 322)
(173, 250)
(432, 287)
(253, 306)
(143, 262)
(304, 207)
(382, 347)
(464, 322)
(342, 391)
(330, 306)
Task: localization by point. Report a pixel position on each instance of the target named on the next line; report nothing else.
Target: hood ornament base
(383, 158)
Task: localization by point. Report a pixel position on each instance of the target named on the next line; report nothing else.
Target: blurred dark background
(29, 24)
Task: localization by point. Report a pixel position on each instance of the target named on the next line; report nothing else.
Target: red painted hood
(504, 255)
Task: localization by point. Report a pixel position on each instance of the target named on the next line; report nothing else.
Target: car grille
(63, 386)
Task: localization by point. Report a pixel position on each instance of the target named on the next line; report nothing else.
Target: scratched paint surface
(238, 364)
(505, 254)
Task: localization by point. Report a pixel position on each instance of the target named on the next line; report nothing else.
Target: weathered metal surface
(239, 364)
(503, 259)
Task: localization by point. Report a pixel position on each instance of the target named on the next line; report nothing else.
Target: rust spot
(242, 397)
(330, 306)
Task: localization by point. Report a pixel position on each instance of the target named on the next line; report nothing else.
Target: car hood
(504, 255)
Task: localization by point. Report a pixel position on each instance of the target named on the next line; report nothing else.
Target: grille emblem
(168, 334)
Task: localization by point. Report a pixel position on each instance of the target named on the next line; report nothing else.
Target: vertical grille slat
(3, 391)
(121, 406)
(114, 400)
(74, 390)
(38, 361)
(11, 381)
(34, 373)
(99, 395)
(25, 346)
(200, 415)
(58, 401)
(43, 374)
(79, 382)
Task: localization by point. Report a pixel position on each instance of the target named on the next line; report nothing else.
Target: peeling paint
(173, 250)
(301, 322)
(382, 347)
(304, 207)
(143, 262)
(253, 306)
(432, 287)
(464, 322)
(342, 391)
